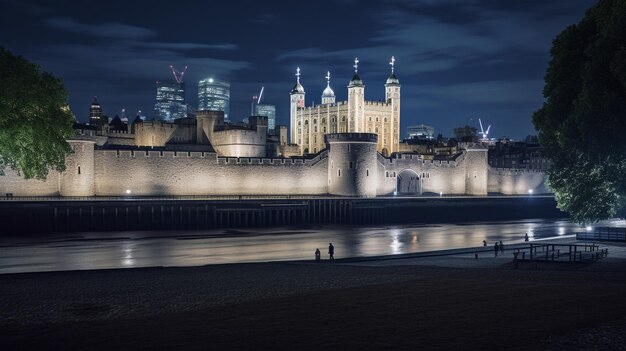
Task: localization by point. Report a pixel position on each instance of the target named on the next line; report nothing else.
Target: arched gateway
(409, 183)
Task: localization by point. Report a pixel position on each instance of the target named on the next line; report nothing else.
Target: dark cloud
(105, 30)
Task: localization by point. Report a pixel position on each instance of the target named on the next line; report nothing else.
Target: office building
(170, 101)
(214, 95)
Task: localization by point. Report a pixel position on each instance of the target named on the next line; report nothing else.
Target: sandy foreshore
(447, 302)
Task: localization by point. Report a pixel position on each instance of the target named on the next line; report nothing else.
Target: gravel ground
(113, 294)
(452, 302)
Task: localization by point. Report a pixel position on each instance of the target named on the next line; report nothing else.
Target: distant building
(466, 133)
(421, 132)
(270, 112)
(96, 116)
(214, 95)
(170, 101)
(506, 153)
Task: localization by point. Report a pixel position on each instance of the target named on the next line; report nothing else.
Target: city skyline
(458, 60)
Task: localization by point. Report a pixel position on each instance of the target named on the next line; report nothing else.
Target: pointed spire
(297, 89)
(392, 80)
(328, 92)
(356, 80)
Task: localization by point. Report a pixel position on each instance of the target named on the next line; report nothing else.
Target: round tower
(78, 177)
(352, 164)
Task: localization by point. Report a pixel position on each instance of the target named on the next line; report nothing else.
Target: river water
(79, 251)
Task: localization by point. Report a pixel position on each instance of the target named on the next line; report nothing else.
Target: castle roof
(328, 92)
(392, 79)
(298, 88)
(356, 80)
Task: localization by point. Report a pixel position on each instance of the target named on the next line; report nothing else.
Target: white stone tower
(392, 96)
(356, 100)
(328, 96)
(297, 101)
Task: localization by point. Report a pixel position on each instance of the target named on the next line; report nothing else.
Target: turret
(356, 100)
(328, 96)
(392, 96)
(296, 101)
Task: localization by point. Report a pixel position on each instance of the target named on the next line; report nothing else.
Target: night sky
(456, 59)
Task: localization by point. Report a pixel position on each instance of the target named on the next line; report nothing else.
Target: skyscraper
(270, 112)
(96, 117)
(214, 95)
(170, 101)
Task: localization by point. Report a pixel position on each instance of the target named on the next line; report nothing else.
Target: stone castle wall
(154, 173)
(107, 172)
(516, 182)
(76, 180)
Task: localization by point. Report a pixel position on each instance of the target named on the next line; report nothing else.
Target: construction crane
(258, 101)
(178, 75)
(485, 133)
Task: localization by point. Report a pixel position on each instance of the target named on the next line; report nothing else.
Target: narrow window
(78, 169)
(367, 172)
(339, 173)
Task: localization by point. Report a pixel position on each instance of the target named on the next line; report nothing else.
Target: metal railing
(604, 234)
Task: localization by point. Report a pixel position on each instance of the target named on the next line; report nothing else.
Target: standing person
(496, 249)
(501, 247)
(526, 237)
(485, 243)
(318, 255)
(331, 251)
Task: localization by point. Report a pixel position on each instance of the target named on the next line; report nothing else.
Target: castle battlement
(514, 171)
(156, 154)
(377, 103)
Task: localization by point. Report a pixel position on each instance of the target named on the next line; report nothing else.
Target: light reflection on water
(178, 248)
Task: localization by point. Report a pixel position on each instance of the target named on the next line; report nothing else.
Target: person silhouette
(526, 237)
(331, 251)
(318, 255)
(485, 243)
(501, 247)
(496, 249)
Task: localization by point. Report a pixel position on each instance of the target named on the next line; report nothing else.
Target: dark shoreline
(301, 305)
(66, 215)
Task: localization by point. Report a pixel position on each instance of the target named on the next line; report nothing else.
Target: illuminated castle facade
(349, 148)
(357, 115)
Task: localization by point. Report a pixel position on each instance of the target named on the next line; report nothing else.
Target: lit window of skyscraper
(268, 111)
(170, 101)
(214, 95)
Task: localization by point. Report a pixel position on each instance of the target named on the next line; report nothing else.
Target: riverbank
(304, 305)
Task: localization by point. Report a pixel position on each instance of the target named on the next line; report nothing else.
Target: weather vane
(393, 61)
(298, 74)
(356, 65)
(328, 77)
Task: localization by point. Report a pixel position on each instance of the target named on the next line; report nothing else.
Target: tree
(34, 119)
(582, 123)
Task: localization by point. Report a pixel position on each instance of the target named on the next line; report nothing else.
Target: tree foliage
(582, 123)
(34, 118)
